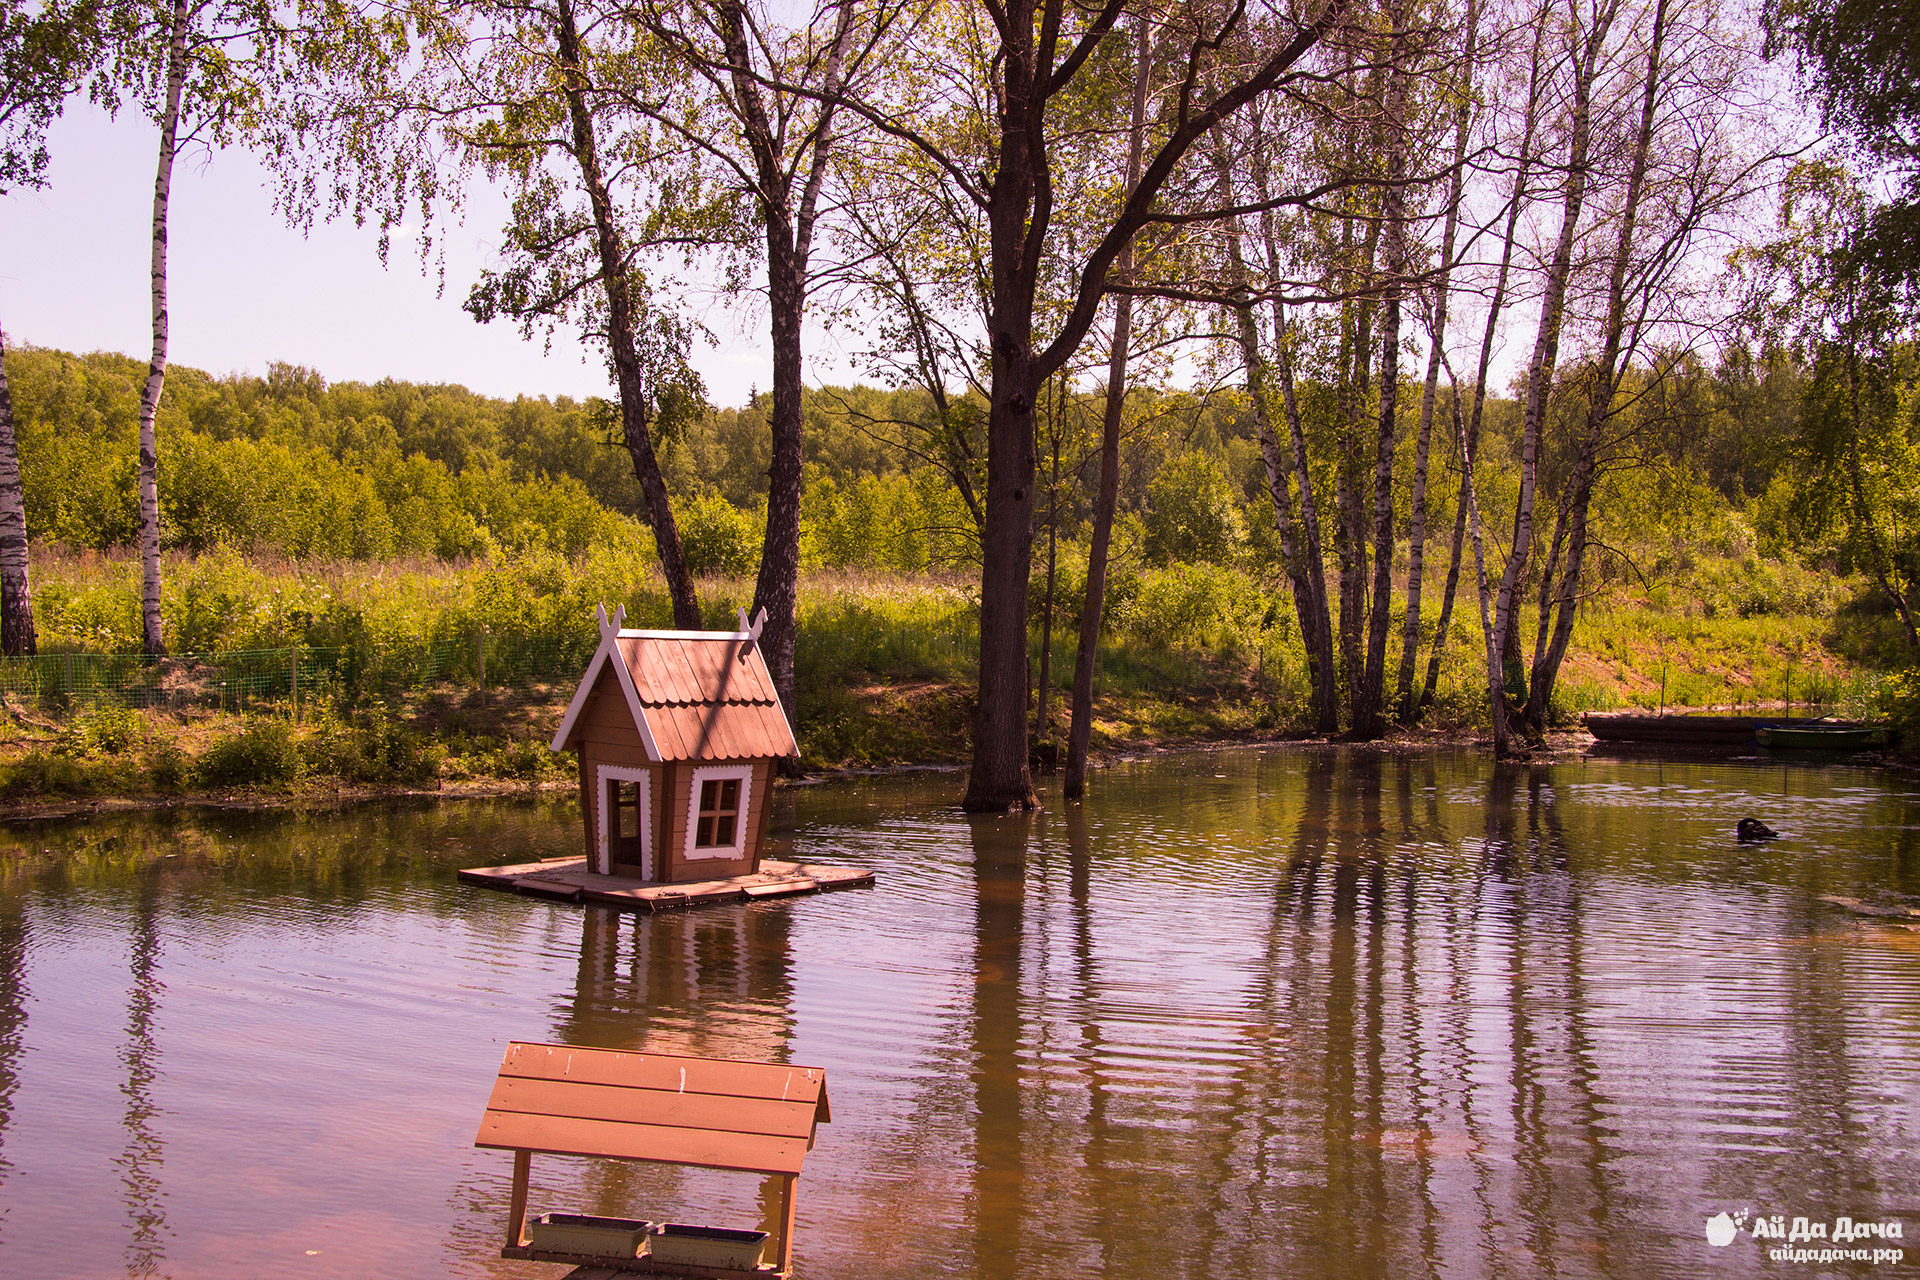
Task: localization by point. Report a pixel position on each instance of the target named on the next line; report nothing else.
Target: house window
(717, 811)
(623, 801)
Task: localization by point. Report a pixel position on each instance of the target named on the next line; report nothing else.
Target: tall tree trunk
(1316, 620)
(1467, 440)
(1408, 709)
(1017, 205)
(1368, 721)
(16, 592)
(1080, 727)
(1260, 389)
(1470, 501)
(1356, 366)
(1540, 370)
(1042, 712)
(629, 376)
(789, 234)
(1316, 630)
(152, 642)
(1606, 381)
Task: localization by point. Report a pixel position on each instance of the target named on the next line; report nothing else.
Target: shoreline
(1559, 744)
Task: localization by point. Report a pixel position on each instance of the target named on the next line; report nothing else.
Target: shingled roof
(694, 695)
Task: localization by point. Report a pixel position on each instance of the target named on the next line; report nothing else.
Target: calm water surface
(1259, 1014)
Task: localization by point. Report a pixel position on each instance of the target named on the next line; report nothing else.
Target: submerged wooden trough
(705, 1113)
(569, 880)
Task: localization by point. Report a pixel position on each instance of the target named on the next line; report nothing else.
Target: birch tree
(199, 69)
(775, 146)
(541, 96)
(45, 54)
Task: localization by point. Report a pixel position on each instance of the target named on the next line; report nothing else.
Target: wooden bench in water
(569, 880)
(707, 1113)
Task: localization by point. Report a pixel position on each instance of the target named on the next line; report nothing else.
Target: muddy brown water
(1265, 1014)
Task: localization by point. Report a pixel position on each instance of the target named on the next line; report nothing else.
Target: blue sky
(245, 289)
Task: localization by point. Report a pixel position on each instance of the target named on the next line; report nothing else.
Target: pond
(1248, 1013)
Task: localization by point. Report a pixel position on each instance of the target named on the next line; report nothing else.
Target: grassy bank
(433, 675)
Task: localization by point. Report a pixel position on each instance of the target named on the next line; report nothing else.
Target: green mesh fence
(239, 679)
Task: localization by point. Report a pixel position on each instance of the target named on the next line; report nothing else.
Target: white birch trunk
(151, 641)
(16, 593)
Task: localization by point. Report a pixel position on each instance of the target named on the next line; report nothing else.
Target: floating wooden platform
(568, 880)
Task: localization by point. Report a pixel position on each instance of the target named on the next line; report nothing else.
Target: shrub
(374, 747)
(42, 773)
(1193, 513)
(169, 767)
(262, 753)
(1898, 699)
(718, 537)
(105, 730)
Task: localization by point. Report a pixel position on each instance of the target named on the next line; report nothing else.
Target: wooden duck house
(677, 733)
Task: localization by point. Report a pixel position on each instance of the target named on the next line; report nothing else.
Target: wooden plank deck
(568, 880)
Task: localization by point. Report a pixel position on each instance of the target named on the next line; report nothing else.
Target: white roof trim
(686, 635)
(638, 712)
(601, 656)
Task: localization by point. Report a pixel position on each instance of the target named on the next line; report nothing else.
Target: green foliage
(102, 730)
(48, 773)
(1193, 513)
(45, 49)
(1193, 606)
(374, 746)
(719, 538)
(287, 465)
(261, 753)
(168, 767)
(1898, 700)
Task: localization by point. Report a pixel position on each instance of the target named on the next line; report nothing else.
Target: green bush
(44, 773)
(1898, 699)
(169, 767)
(1193, 513)
(105, 730)
(262, 753)
(375, 747)
(718, 538)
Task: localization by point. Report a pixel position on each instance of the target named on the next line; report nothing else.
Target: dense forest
(1431, 324)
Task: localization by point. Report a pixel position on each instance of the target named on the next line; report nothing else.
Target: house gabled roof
(693, 695)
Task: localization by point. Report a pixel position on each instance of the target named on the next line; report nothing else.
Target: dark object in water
(1752, 829)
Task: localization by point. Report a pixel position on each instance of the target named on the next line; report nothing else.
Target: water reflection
(13, 1028)
(142, 1159)
(714, 984)
(1244, 1014)
(996, 1038)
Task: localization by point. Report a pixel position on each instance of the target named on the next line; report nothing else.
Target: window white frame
(719, 773)
(603, 855)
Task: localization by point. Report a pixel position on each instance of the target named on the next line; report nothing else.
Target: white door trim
(603, 854)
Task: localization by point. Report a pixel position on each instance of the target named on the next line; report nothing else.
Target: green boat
(1821, 737)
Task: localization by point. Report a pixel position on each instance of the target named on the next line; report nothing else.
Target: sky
(245, 289)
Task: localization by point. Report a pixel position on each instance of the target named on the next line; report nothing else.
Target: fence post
(480, 660)
(293, 665)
